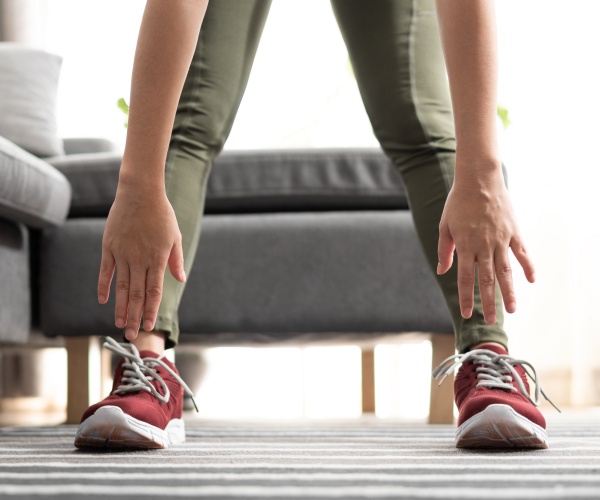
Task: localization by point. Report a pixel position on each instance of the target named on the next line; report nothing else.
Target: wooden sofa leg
(88, 367)
(441, 403)
(368, 380)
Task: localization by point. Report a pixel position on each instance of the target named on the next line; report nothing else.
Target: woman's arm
(478, 219)
(142, 236)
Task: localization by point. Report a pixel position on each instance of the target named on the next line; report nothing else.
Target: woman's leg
(209, 101)
(397, 58)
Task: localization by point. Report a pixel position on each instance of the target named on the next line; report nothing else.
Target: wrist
(481, 173)
(477, 165)
(140, 181)
(478, 149)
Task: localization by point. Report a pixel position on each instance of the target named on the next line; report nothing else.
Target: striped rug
(366, 458)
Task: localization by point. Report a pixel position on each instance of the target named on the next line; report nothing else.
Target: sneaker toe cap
(146, 411)
(486, 397)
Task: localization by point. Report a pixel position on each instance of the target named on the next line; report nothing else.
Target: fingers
(505, 281)
(489, 271)
(137, 290)
(501, 270)
(445, 250)
(487, 288)
(176, 261)
(518, 248)
(154, 284)
(107, 269)
(121, 294)
(466, 282)
(135, 306)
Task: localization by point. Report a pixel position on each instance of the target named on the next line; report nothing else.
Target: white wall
(97, 41)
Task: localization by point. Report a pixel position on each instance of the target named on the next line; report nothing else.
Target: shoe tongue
(152, 354)
(148, 354)
(495, 348)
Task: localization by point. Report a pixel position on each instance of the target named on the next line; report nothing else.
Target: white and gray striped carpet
(365, 458)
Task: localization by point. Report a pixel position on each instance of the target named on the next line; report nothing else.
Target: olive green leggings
(396, 54)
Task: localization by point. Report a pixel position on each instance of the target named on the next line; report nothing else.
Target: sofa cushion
(301, 180)
(31, 190)
(274, 181)
(28, 87)
(264, 278)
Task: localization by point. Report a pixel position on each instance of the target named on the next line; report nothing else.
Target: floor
(362, 458)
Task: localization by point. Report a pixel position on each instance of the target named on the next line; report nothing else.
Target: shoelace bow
(138, 373)
(495, 370)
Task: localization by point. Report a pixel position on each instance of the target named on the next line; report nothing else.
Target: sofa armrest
(31, 190)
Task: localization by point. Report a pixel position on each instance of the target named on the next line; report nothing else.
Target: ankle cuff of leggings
(474, 336)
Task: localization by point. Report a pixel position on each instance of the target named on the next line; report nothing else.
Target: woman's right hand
(141, 238)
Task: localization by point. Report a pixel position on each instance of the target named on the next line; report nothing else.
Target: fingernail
(491, 319)
(120, 323)
(532, 277)
(512, 307)
(101, 299)
(147, 325)
(466, 313)
(182, 276)
(130, 334)
(439, 268)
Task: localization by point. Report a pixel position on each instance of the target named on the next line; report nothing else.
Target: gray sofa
(297, 246)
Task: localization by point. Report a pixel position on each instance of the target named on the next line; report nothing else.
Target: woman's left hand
(479, 223)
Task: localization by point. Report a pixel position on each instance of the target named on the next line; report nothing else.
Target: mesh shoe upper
(471, 399)
(145, 389)
(488, 376)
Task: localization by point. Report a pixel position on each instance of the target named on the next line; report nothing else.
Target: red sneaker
(144, 409)
(492, 395)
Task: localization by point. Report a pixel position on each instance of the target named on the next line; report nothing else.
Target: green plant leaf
(503, 115)
(123, 106)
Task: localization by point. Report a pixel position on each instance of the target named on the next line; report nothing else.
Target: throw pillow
(28, 88)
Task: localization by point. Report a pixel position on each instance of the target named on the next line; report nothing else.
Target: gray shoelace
(138, 373)
(494, 370)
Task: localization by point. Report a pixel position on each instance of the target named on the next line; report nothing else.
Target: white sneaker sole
(499, 426)
(111, 427)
